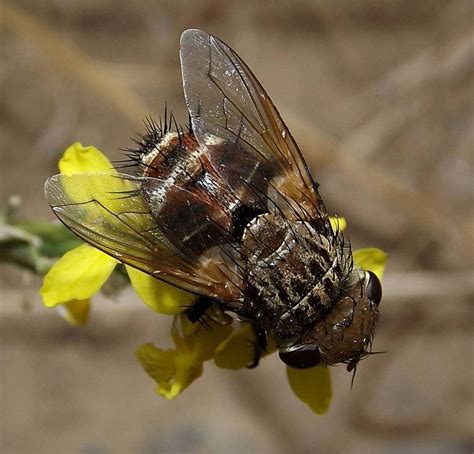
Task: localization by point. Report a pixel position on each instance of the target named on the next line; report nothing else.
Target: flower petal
(175, 370)
(77, 275)
(158, 295)
(161, 366)
(80, 159)
(338, 224)
(102, 179)
(196, 340)
(371, 259)
(236, 352)
(75, 312)
(312, 386)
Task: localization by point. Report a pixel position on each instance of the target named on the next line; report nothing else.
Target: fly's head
(345, 333)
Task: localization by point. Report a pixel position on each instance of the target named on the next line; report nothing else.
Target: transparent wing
(228, 106)
(110, 213)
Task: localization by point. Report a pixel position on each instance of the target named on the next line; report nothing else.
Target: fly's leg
(260, 345)
(197, 310)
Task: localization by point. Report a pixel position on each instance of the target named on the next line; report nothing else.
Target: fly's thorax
(295, 272)
(345, 333)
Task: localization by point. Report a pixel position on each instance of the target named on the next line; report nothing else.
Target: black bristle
(190, 124)
(166, 118)
(145, 142)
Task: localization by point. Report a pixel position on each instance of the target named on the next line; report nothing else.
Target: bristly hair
(147, 141)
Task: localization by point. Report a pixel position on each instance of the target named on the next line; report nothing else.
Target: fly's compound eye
(373, 288)
(301, 357)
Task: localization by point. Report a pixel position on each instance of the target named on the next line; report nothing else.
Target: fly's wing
(110, 213)
(231, 114)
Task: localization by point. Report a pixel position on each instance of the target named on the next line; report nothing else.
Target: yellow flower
(80, 274)
(371, 259)
(175, 370)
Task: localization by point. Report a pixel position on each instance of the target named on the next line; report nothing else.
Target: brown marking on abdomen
(204, 197)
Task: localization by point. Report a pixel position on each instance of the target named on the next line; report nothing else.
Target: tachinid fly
(229, 211)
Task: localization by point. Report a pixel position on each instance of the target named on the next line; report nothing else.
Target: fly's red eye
(302, 358)
(373, 288)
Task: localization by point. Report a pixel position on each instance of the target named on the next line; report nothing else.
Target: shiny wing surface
(231, 112)
(110, 213)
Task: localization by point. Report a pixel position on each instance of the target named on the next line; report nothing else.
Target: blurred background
(380, 98)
